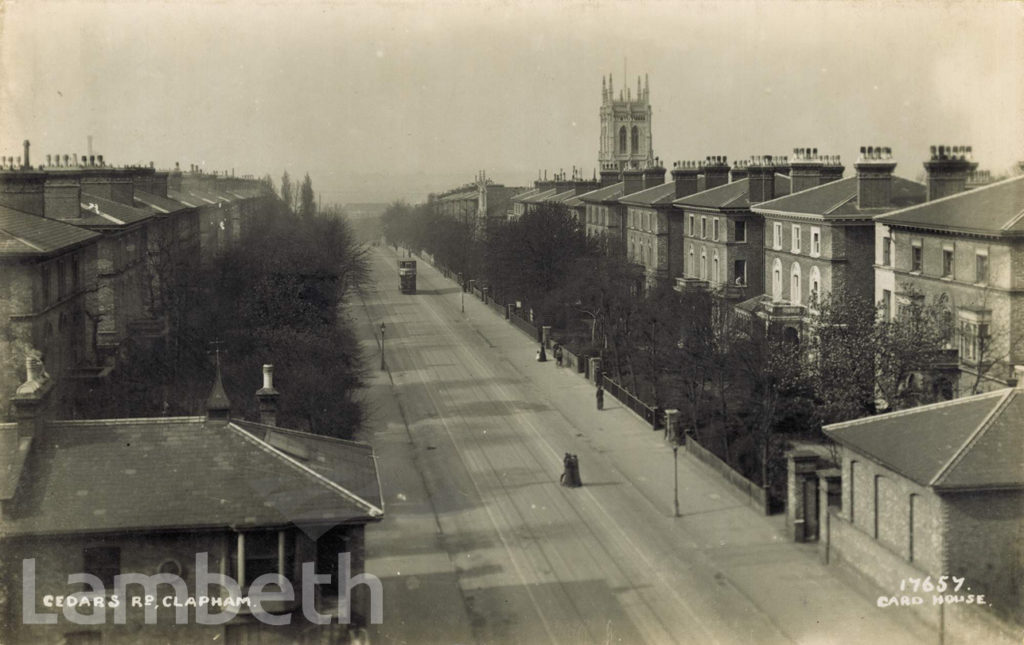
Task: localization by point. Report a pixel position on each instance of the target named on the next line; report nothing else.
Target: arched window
(777, 280)
(635, 147)
(622, 140)
(794, 284)
(689, 263)
(815, 286)
(714, 268)
(703, 264)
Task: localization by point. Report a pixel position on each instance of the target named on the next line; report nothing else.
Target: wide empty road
(481, 544)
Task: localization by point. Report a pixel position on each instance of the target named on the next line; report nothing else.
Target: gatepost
(595, 369)
(830, 493)
(545, 335)
(508, 310)
(802, 495)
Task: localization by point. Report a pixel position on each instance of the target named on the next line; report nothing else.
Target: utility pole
(675, 470)
(462, 294)
(382, 346)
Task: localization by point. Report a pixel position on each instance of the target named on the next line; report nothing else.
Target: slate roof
(662, 194)
(838, 200)
(26, 235)
(106, 213)
(733, 195)
(523, 196)
(187, 473)
(608, 193)
(996, 208)
(159, 203)
(540, 197)
(969, 443)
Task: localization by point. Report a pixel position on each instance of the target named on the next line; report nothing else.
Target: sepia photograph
(501, 322)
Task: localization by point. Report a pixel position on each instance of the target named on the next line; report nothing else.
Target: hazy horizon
(380, 101)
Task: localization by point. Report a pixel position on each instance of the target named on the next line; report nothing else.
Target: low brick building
(177, 496)
(936, 491)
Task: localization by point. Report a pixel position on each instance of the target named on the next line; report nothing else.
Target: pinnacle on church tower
(626, 140)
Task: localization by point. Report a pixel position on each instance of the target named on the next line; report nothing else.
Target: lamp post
(382, 346)
(675, 470)
(462, 294)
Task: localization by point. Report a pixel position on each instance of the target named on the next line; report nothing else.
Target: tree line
(276, 295)
(741, 391)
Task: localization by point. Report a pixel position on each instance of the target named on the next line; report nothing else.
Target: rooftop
(735, 194)
(838, 200)
(180, 473)
(969, 443)
(26, 235)
(991, 209)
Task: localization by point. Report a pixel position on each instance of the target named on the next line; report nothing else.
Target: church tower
(625, 127)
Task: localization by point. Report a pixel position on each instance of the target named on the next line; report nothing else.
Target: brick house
(936, 490)
(722, 236)
(820, 238)
(654, 227)
(47, 267)
(968, 247)
(174, 495)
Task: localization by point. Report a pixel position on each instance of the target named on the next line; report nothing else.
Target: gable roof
(969, 443)
(180, 473)
(26, 235)
(733, 195)
(604, 194)
(159, 203)
(660, 195)
(838, 200)
(996, 208)
(101, 212)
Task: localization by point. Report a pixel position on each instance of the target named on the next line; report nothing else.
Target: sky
(394, 99)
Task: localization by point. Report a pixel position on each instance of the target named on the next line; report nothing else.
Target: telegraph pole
(382, 346)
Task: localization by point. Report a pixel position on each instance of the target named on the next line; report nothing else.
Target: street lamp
(462, 294)
(382, 346)
(675, 470)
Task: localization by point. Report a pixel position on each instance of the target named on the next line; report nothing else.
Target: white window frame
(795, 242)
(816, 241)
(795, 284)
(714, 229)
(777, 236)
(703, 227)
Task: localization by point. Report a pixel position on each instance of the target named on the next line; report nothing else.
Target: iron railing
(652, 415)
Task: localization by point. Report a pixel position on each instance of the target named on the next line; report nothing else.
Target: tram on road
(407, 276)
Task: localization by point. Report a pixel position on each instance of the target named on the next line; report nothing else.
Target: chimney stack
(716, 172)
(633, 181)
(684, 176)
(654, 175)
(761, 177)
(738, 172)
(831, 169)
(27, 164)
(562, 183)
(31, 397)
(609, 175)
(805, 169)
(948, 169)
(874, 177)
(267, 397)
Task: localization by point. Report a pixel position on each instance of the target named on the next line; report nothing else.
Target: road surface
(481, 544)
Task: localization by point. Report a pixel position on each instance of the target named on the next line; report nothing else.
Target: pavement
(481, 544)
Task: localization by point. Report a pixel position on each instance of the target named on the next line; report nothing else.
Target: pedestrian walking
(600, 397)
(558, 354)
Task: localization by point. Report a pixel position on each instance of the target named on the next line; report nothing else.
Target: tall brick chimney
(654, 175)
(633, 181)
(831, 169)
(31, 399)
(610, 174)
(874, 177)
(805, 169)
(27, 165)
(684, 176)
(22, 189)
(562, 183)
(739, 171)
(716, 172)
(761, 175)
(948, 169)
(267, 397)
